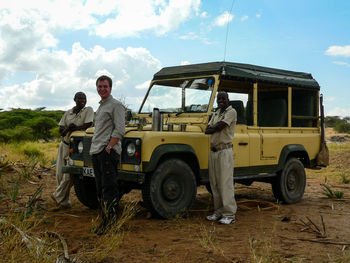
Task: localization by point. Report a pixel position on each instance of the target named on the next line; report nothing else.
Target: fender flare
(296, 150)
(166, 149)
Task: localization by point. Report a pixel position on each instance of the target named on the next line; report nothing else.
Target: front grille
(86, 152)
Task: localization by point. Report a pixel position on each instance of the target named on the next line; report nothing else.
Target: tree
(42, 126)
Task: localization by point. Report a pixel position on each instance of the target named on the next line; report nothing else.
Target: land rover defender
(279, 132)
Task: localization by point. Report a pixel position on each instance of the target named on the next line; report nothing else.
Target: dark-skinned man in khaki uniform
(221, 128)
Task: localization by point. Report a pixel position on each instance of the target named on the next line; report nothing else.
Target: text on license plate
(88, 172)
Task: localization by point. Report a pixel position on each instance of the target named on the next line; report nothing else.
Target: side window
(273, 106)
(240, 95)
(304, 108)
(238, 101)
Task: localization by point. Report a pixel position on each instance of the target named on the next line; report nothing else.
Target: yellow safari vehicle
(165, 153)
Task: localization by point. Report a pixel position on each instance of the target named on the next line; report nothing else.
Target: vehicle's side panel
(241, 146)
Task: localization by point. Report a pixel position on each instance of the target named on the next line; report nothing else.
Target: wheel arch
(297, 151)
(183, 152)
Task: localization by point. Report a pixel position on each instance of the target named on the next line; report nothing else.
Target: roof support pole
(289, 106)
(255, 102)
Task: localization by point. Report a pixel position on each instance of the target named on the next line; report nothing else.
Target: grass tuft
(330, 193)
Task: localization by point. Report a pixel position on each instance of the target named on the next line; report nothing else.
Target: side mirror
(128, 115)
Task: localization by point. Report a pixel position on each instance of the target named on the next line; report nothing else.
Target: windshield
(176, 96)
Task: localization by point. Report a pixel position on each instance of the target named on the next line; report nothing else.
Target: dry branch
(325, 241)
(314, 228)
(63, 242)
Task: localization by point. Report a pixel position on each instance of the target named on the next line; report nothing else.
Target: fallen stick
(328, 242)
(63, 242)
(325, 241)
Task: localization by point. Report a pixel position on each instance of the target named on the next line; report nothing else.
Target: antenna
(228, 17)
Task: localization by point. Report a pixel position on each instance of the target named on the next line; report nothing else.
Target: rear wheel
(171, 190)
(289, 186)
(85, 189)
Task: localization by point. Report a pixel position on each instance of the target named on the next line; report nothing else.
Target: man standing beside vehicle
(77, 118)
(105, 150)
(221, 128)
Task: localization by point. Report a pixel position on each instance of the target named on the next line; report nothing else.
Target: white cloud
(342, 51)
(185, 62)
(30, 43)
(134, 16)
(223, 19)
(244, 18)
(204, 15)
(338, 112)
(56, 83)
(194, 36)
(143, 85)
(117, 18)
(330, 99)
(341, 63)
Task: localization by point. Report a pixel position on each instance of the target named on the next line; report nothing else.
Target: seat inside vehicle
(239, 107)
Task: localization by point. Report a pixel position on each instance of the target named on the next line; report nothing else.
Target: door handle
(243, 143)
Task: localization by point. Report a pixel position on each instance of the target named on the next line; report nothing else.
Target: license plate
(88, 172)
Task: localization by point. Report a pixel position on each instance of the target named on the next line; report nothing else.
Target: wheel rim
(292, 181)
(171, 189)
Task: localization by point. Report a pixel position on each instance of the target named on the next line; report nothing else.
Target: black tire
(171, 190)
(85, 189)
(290, 184)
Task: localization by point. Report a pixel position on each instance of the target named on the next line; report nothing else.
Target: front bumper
(127, 176)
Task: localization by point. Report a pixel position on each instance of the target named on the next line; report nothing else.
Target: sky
(51, 49)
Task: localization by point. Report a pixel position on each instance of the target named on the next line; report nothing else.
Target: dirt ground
(264, 231)
(275, 231)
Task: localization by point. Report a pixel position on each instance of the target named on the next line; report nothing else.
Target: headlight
(131, 149)
(80, 147)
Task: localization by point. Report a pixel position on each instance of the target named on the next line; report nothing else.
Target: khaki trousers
(64, 181)
(221, 182)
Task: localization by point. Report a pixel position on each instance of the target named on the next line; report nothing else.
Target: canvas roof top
(240, 71)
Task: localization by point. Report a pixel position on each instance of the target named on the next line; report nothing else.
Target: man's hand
(209, 130)
(215, 128)
(108, 149)
(72, 127)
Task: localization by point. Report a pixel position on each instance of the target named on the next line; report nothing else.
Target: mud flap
(322, 158)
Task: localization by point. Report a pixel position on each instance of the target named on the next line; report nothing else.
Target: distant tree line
(25, 124)
(339, 124)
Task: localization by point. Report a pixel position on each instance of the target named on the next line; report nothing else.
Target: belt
(66, 143)
(221, 147)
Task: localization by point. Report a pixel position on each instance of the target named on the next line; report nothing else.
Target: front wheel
(171, 190)
(85, 189)
(289, 186)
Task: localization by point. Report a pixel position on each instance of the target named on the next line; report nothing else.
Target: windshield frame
(212, 79)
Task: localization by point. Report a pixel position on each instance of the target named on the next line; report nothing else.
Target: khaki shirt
(225, 136)
(109, 122)
(85, 115)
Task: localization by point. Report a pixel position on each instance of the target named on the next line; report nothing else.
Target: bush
(342, 127)
(21, 133)
(331, 121)
(31, 151)
(41, 126)
(55, 132)
(31, 124)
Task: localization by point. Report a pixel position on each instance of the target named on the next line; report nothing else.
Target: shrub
(31, 151)
(55, 132)
(42, 126)
(342, 127)
(21, 133)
